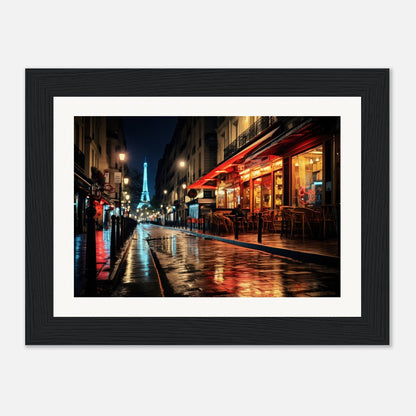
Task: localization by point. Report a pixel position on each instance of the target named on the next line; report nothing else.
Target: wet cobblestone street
(204, 267)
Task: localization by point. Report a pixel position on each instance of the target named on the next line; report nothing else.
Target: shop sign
(192, 193)
(265, 169)
(117, 177)
(277, 165)
(245, 177)
(106, 176)
(96, 191)
(255, 173)
(109, 188)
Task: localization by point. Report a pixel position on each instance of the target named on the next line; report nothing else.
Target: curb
(165, 286)
(114, 276)
(302, 256)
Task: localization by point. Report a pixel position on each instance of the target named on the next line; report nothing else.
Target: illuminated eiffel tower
(145, 198)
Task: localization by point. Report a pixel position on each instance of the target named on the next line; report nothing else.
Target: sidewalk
(106, 272)
(102, 245)
(313, 251)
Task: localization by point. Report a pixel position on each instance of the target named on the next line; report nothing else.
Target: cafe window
(246, 195)
(307, 178)
(262, 191)
(221, 198)
(233, 197)
(278, 188)
(257, 194)
(194, 210)
(266, 191)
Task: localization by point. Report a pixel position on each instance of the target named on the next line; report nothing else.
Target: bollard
(190, 224)
(91, 263)
(121, 231)
(203, 225)
(235, 228)
(260, 228)
(113, 238)
(118, 233)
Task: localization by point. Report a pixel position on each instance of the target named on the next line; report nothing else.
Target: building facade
(264, 163)
(98, 142)
(190, 154)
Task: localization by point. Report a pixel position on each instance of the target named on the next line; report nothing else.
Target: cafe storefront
(255, 189)
(300, 170)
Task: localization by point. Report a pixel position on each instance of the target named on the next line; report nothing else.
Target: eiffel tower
(145, 198)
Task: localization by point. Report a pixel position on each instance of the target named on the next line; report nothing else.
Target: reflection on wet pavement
(102, 245)
(138, 276)
(203, 267)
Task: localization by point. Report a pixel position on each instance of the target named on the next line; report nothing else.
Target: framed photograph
(207, 206)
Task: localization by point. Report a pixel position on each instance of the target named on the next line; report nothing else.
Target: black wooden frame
(372, 85)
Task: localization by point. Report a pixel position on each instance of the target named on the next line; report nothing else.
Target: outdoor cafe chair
(267, 220)
(286, 222)
(301, 220)
(252, 222)
(276, 221)
(224, 222)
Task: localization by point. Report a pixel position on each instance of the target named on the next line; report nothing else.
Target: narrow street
(195, 266)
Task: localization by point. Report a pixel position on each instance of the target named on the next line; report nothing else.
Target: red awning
(227, 166)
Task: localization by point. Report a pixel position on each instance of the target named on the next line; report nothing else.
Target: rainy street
(194, 266)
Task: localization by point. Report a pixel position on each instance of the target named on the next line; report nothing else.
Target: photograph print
(233, 206)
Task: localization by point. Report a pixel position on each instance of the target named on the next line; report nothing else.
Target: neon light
(311, 196)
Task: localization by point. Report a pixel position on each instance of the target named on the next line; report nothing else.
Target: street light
(165, 191)
(126, 181)
(122, 157)
(182, 164)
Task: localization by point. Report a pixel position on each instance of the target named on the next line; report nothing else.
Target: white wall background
(202, 380)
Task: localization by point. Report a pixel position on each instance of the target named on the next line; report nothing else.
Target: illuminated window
(257, 194)
(307, 178)
(278, 188)
(221, 198)
(246, 195)
(266, 192)
(233, 197)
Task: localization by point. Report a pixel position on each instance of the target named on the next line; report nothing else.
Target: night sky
(147, 137)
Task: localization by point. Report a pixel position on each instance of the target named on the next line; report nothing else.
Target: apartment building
(190, 154)
(97, 143)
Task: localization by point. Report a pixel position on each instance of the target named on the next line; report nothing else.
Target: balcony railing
(258, 126)
(79, 157)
